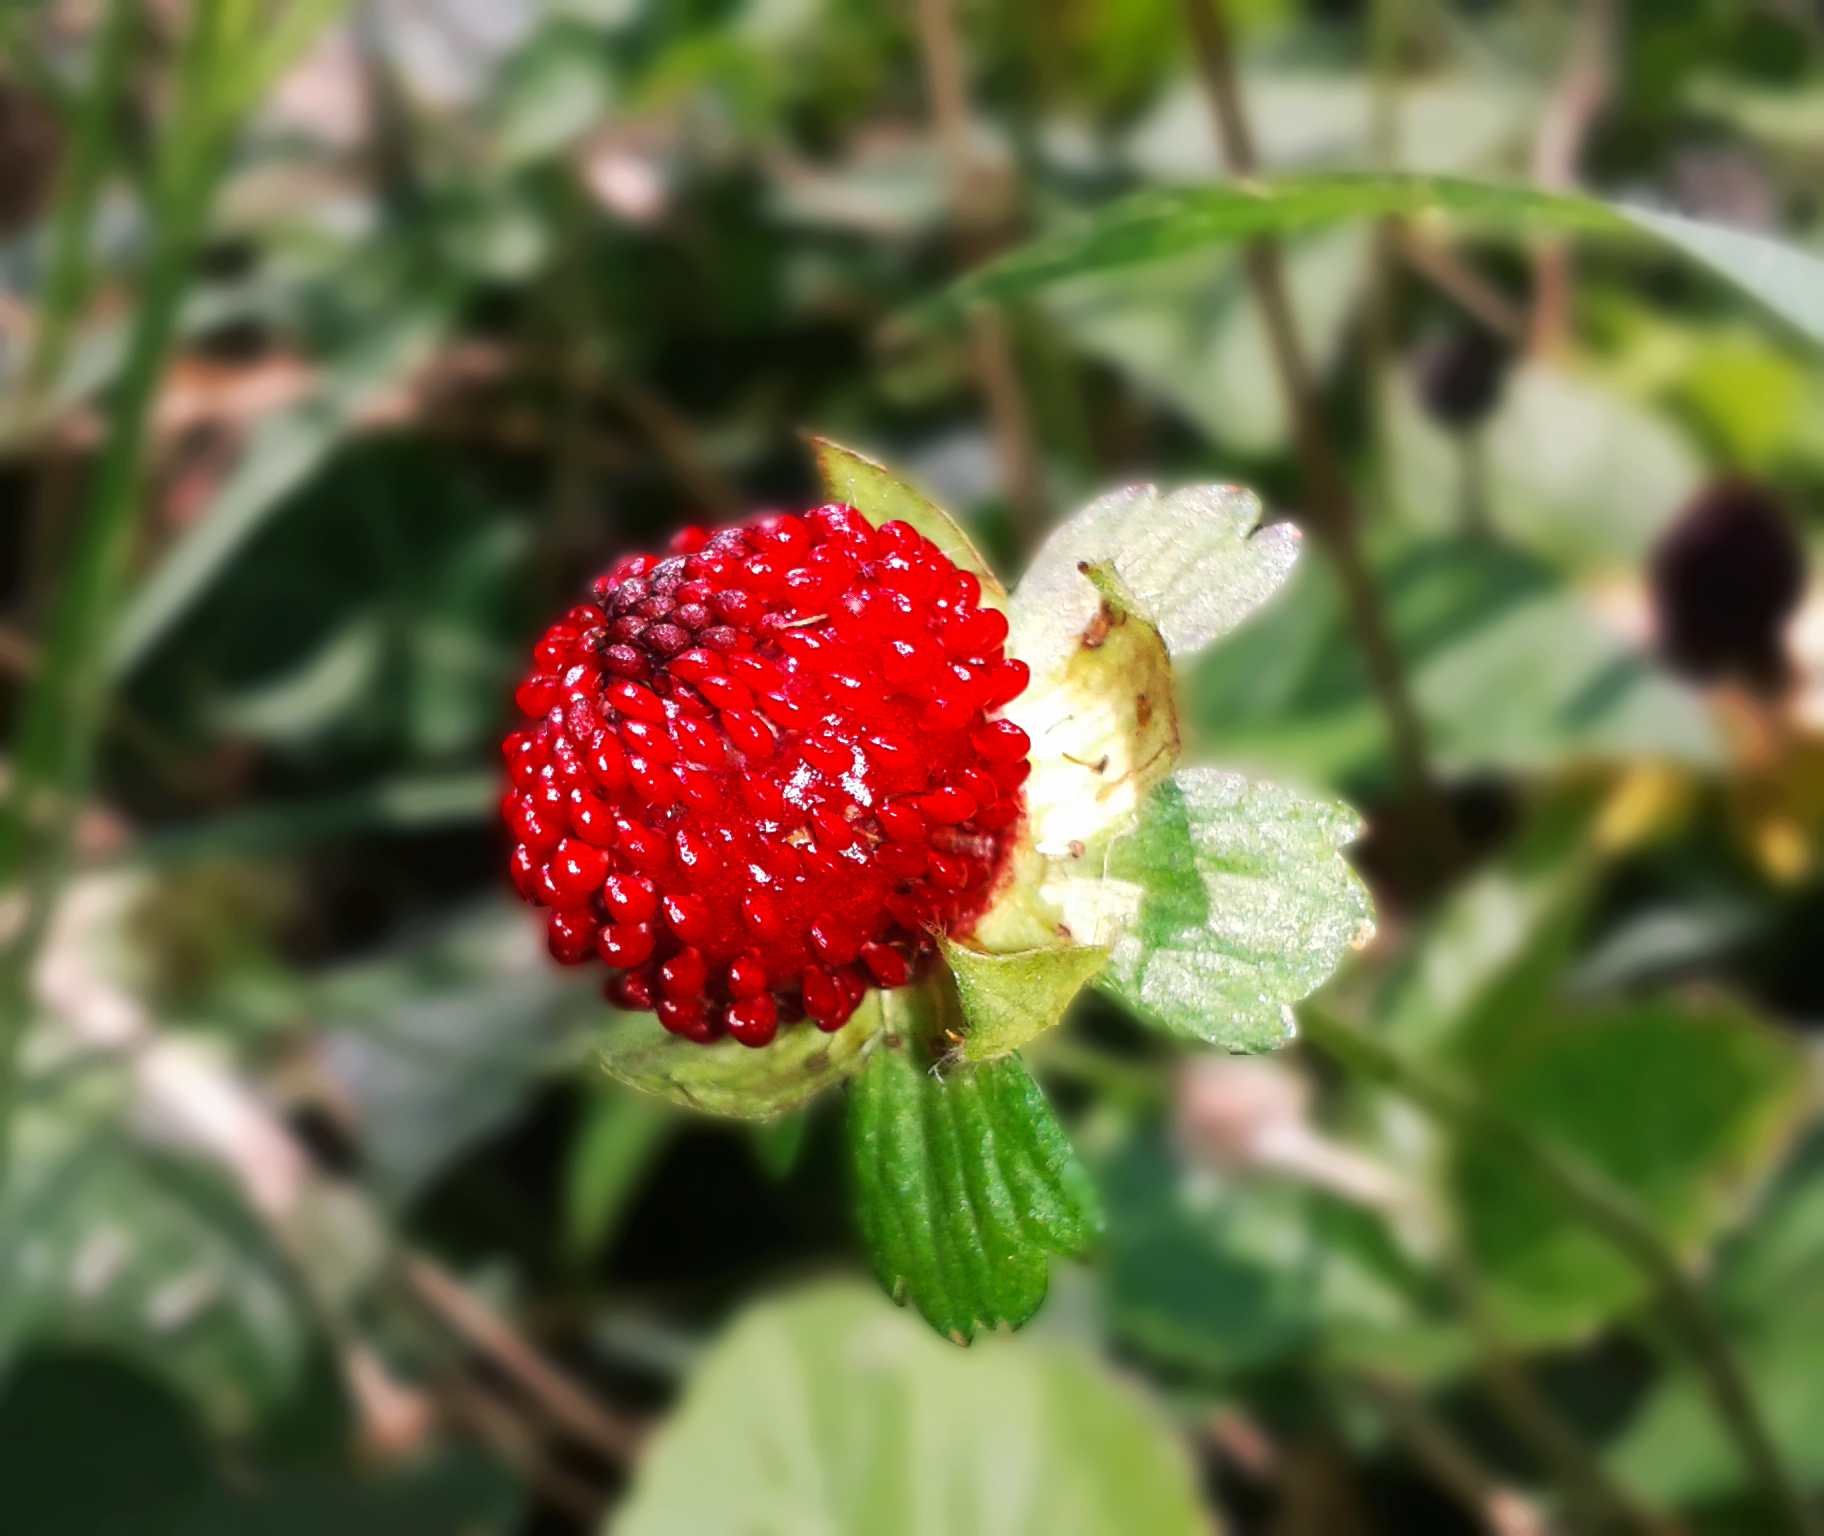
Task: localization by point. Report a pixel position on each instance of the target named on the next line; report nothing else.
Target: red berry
(761, 774)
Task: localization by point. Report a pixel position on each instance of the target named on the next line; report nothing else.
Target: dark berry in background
(1726, 577)
(1460, 375)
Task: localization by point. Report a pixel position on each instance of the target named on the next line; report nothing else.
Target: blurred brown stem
(1502, 1510)
(1328, 505)
(1586, 1195)
(569, 1407)
(1558, 145)
(973, 201)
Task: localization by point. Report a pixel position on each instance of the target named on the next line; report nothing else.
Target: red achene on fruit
(765, 772)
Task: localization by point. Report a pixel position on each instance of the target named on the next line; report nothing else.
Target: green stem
(85, 166)
(1586, 1194)
(54, 749)
(1329, 510)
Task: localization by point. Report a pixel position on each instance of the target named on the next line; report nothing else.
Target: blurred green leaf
(1191, 336)
(1574, 471)
(1681, 1106)
(1770, 1290)
(1548, 682)
(1229, 1274)
(1244, 905)
(621, 1135)
(110, 1243)
(965, 1184)
(285, 451)
(1152, 225)
(1287, 693)
(93, 1448)
(437, 1042)
(1449, 120)
(826, 1411)
(551, 93)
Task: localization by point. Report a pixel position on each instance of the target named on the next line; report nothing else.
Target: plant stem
(1328, 505)
(973, 201)
(86, 162)
(1587, 1195)
(54, 749)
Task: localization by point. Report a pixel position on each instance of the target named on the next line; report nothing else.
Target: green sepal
(965, 1185)
(1008, 999)
(728, 1078)
(873, 491)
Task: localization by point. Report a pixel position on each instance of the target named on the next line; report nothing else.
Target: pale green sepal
(874, 492)
(1197, 561)
(1103, 722)
(1229, 902)
(728, 1078)
(1008, 999)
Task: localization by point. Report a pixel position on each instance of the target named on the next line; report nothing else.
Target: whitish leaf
(1238, 904)
(1008, 999)
(873, 491)
(1196, 560)
(827, 1413)
(728, 1078)
(965, 1184)
(1153, 225)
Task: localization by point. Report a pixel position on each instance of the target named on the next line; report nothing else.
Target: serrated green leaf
(1680, 1106)
(965, 1185)
(1240, 904)
(827, 1413)
(1008, 999)
(1154, 225)
(728, 1078)
(873, 490)
(1193, 559)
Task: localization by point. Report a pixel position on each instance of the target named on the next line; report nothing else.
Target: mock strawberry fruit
(765, 772)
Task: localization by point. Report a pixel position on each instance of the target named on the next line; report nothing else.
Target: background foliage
(340, 345)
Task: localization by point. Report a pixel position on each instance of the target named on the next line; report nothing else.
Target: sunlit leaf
(1197, 560)
(965, 1185)
(827, 1411)
(1240, 904)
